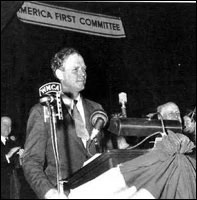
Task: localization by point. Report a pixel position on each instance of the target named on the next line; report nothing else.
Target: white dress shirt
(3, 139)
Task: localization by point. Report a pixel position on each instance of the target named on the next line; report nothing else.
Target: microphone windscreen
(122, 97)
(98, 114)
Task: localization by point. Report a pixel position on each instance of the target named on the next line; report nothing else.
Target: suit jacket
(6, 168)
(38, 158)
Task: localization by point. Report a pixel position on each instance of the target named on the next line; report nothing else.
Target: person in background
(11, 153)
(169, 111)
(38, 159)
(189, 125)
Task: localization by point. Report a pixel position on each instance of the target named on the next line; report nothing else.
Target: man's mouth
(81, 80)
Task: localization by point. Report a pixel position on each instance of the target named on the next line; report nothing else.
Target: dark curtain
(8, 10)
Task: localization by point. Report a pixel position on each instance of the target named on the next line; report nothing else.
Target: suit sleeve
(34, 153)
(4, 161)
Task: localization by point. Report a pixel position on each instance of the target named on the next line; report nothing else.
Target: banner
(72, 20)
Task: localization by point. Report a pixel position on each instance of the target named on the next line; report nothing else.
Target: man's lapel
(87, 111)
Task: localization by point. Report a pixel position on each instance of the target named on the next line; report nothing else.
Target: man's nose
(82, 72)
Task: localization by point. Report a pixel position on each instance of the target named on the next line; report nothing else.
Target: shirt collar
(79, 102)
(70, 102)
(78, 99)
(3, 139)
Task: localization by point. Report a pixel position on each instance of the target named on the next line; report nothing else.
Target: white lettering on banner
(69, 19)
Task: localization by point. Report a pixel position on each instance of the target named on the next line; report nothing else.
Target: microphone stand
(52, 118)
(123, 108)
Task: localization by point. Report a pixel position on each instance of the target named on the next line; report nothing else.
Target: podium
(101, 164)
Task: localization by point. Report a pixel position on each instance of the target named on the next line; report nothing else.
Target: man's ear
(59, 74)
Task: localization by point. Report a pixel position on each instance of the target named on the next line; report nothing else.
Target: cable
(145, 140)
(151, 115)
(162, 122)
(89, 142)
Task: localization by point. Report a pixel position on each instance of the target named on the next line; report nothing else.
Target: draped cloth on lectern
(166, 172)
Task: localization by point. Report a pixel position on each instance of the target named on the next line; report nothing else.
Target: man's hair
(162, 108)
(60, 56)
(6, 118)
(169, 111)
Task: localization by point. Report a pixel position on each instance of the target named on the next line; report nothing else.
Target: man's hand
(20, 152)
(122, 143)
(12, 152)
(53, 194)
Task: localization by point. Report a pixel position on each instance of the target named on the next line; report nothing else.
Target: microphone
(98, 119)
(123, 101)
(47, 99)
(50, 98)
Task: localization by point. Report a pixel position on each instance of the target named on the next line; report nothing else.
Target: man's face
(189, 124)
(5, 126)
(171, 112)
(74, 74)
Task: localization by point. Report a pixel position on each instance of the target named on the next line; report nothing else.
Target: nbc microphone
(123, 101)
(98, 119)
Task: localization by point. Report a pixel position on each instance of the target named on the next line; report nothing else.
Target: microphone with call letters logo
(50, 99)
(50, 95)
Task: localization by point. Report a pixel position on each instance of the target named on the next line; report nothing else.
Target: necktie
(81, 130)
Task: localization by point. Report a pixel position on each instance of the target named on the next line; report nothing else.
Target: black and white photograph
(98, 99)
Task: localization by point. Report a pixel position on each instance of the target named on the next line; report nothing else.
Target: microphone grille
(122, 97)
(98, 114)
